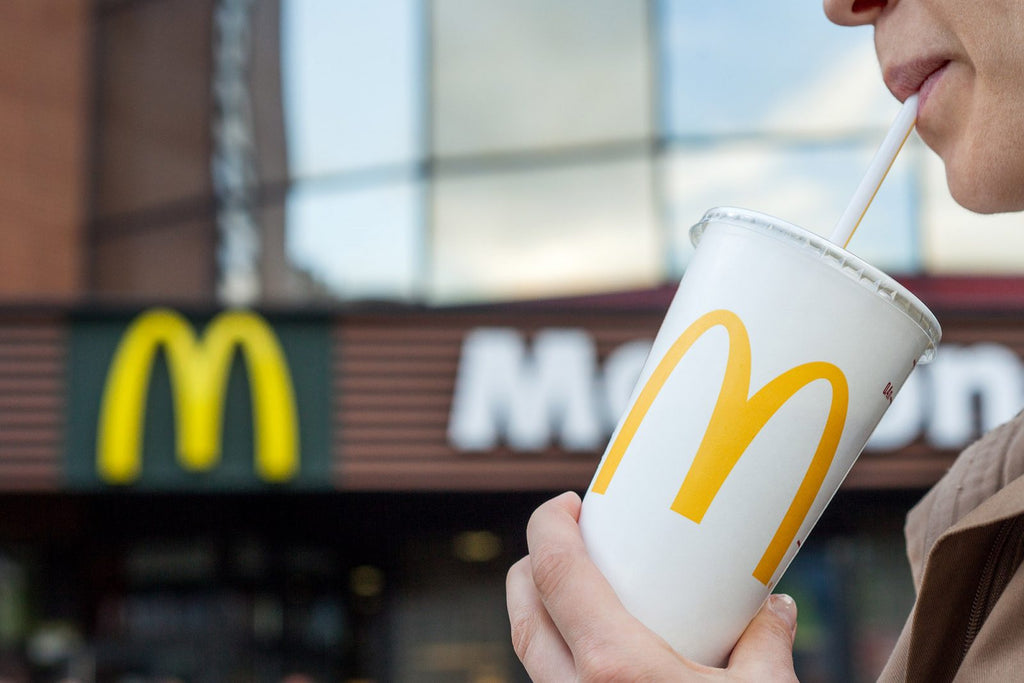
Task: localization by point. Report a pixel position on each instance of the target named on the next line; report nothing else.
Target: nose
(854, 12)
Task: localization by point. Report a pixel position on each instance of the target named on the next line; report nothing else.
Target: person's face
(967, 61)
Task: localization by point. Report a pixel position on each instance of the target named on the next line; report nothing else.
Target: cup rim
(855, 268)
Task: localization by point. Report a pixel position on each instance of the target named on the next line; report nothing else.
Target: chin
(981, 193)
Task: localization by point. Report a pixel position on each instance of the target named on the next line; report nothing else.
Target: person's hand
(568, 624)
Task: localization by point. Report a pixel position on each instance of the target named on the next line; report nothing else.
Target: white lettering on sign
(503, 392)
(964, 392)
(531, 396)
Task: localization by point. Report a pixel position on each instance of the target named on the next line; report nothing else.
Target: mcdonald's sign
(234, 402)
(736, 419)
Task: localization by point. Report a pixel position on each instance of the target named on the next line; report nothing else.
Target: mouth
(905, 79)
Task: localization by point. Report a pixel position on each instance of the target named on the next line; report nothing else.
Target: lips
(905, 79)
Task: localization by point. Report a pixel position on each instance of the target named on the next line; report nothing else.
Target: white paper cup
(777, 358)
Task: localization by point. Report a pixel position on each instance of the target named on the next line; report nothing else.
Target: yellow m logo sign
(735, 421)
(199, 371)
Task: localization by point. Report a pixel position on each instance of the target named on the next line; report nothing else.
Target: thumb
(765, 650)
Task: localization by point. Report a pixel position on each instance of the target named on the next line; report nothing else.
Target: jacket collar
(983, 486)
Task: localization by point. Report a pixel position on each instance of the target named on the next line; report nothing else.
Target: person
(965, 539)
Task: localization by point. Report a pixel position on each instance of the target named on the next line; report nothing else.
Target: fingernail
(784, 606)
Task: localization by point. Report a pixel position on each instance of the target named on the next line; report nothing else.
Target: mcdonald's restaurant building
(341, 492)
(200, 491)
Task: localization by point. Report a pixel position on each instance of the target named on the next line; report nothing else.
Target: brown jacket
(965, 541)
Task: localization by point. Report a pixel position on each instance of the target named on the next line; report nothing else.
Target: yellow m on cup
(735, 421)
(199, 371)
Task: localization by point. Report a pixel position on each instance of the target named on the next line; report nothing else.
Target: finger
(578, 599)
(767, 643)
(536, 640)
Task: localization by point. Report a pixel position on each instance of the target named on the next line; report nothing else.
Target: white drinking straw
(880, 165)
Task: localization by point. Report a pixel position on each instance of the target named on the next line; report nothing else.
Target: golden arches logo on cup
(199, 369)
(736, 419)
